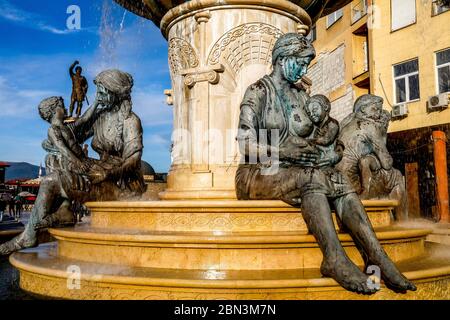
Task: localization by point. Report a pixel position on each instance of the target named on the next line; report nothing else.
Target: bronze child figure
(325, 132)
(63, 149)
(64, 153)
(366, 160)
(275, 103)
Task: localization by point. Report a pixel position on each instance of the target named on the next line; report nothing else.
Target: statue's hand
(76, 62)
(298, 141)
(326, 162)
(329, 161)
(386, 161)
(297, 154)
(79, 182)
(98, 176)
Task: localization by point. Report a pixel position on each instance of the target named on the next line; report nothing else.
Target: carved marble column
(216, 51)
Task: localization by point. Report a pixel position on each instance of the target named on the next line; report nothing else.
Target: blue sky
(36, 50)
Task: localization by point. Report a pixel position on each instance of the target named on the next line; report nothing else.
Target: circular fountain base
(214, 250)
(42, 272)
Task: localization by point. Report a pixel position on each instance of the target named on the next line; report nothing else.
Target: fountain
(200, 242)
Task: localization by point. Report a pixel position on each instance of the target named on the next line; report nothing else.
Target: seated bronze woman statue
(116, 136)
(273, 122)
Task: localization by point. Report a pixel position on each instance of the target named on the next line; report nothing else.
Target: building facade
(341, 68)
(399, 50)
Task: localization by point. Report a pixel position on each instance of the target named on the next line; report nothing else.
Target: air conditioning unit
(399, 110)
(439, 101)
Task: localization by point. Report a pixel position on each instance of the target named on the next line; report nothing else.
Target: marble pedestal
(216, 50)
(214, 250)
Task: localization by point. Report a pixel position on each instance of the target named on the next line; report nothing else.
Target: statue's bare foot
(395, 280)
(64, 217)
(18, 243)
(347, 275)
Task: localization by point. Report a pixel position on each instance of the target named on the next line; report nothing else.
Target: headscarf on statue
(292, 44)
(119, 83)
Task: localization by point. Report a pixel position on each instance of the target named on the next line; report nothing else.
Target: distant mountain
(22, 170)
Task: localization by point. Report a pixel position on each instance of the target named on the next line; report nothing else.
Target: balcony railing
(359, 10)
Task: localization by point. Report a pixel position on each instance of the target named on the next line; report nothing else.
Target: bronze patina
(366, 160)
(79, 89)
(272, 119)
(116, 134)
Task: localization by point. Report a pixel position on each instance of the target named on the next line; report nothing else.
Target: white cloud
(32, 20)
(20, 103)
(54, 30)
(9, 12)
(151, 108)
(136, 47)
(157, 139)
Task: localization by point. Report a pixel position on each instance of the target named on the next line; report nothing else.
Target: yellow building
(341, 68)
(404, 56)
(399, 50)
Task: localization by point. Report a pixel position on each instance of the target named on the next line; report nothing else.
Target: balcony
(360, 54)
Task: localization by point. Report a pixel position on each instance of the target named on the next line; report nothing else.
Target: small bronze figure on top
(79, 88)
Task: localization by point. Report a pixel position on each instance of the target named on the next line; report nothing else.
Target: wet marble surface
(9, 282)
(9, 276)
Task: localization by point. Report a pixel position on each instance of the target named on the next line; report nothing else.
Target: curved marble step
(220, 250)
(215, 215)
(43, 272)
(441, 234)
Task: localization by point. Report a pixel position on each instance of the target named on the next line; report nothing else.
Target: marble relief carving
(181, 55)
(245, 44)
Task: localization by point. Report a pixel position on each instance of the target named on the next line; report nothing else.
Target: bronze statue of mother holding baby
(274, 124)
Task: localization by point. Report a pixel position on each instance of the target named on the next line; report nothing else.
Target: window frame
(436, 68)
(312, 32)
(406, 77)
(353, 6)
(337, 19)
(433, 5)
(405, 26)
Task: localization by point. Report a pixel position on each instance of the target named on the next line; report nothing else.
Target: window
(443, 70)
(406, 81)
(439, 6)
(359, 10)
(403, 13)
(312, 36)
(333, 17)
(366, 55)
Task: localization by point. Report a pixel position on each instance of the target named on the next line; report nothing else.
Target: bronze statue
(326, 130)
(366, 160)
(79, 89)
(116, 136)
(275, 105)
(64, 152)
